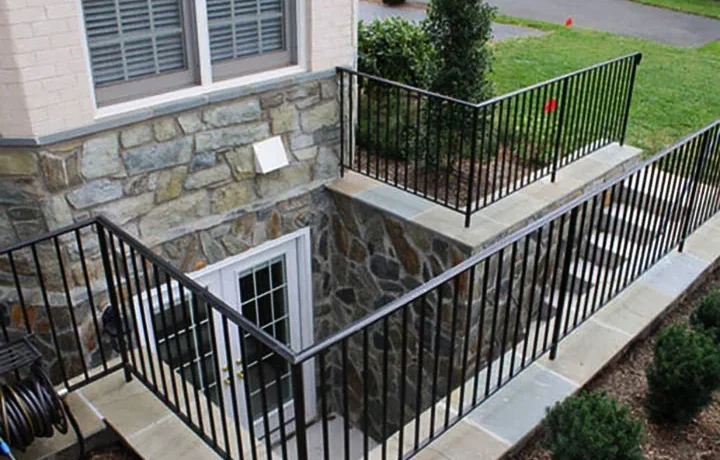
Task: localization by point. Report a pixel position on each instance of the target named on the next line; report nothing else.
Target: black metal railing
(467, 156)
(392, 382)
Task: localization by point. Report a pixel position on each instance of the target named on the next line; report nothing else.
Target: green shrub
(459, 30)
(683, 375)
(706, 316)
(593, 426)
(395, 49)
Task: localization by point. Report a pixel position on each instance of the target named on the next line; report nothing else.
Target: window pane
(132, 39)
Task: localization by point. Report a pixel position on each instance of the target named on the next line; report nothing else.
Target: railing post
(631, 87)
(298, 385)
(112, 296)
(706, 147)
(473, 154)
(342, 120)
(558, 138)
(564, 281)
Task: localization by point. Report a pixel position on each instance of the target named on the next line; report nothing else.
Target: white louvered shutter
(131, 39)
(245, 28)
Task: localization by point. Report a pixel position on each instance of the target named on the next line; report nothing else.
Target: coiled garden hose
(30, 408)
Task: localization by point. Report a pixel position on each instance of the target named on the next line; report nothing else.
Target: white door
(270, 286)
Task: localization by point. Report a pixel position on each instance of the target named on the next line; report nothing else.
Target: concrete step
(651, 194)
(634, 224)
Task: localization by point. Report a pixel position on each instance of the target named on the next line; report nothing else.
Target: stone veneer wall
(184, 184)
(374, 258)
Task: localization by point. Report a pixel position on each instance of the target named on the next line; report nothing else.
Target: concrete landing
(500, 425)
(507, 214)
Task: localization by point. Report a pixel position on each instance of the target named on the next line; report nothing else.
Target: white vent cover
(270, 155)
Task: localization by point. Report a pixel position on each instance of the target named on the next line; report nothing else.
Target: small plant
(395, 49)
(593, 426)
(706, 316)
(683, 375)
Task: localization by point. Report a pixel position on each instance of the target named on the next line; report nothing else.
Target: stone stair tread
(615, 244)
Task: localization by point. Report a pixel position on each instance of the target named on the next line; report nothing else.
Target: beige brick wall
(42, 68)
(44, 79)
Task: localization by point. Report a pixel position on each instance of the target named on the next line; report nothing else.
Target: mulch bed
(114, 452)
(626, 382)
(511, 168)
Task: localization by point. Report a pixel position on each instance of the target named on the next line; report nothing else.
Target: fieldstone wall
(184, 184)
(373, 259)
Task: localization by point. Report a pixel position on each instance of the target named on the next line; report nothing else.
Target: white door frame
(210, 277)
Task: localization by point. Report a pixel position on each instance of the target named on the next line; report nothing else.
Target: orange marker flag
(569, 21)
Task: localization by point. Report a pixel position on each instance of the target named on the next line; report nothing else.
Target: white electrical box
(270, 155)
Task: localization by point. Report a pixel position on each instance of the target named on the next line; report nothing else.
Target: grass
(676, 90)
(709, 8)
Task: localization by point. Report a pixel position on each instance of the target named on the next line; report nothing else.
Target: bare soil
(448, 182)
(116, 451)
(626, 382)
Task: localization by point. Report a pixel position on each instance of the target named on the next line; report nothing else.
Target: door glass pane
(263, 297)
(183, 340)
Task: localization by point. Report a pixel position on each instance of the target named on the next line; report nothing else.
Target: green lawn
(677, 89)
(710, 8)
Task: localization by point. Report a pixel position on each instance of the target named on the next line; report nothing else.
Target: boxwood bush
(706, 316)
(683, 374)
(593, 426)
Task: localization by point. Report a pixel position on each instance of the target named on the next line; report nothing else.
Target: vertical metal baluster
(614, 235)
(584, 117)
(418, 383)
(568, 133)
(501, 191)
(298, 396)
(466, 342)
(21, 298)
(377, 132)
(488, 189)
(166, 333)
(631, 88)
(448, 161)
(461, 154)
(649, 210)
(600, 106)
(574, 276)
(541, 300)
(631, 214)
(168, 283)
(193, 370)
(46, 301)
(148, 346)
(506, 316)
(403, 377)
(385, 372)
(248, 396)
(436, 359)
(606, 95)
(91, 298)
(695, 180)
(561, 120)
(151, 313)
(121, 310)
(324, 406)
(497, 182)
(481, 186)
(233, 390)
(558, 253)
(536, 117)
(366, 393)
(565, 278)
(387, 132)
(418, 124)
(397, 134)
(132, 312)
(606, 255)
(428, 144)
(451, 359)
(596, 224)
(594, 77)
(519, 178)
(471, 175)
(352, 147)
(438, 149)
(281, 410)
(619, 237)
(496, 309)
(407, 139)
(531, 303)
(300, 418)
(341, 77)
(545, 118)
(481, 331)
(346, 404)
(71, 307)
(640, 202)
(218, 377)
(203, 369)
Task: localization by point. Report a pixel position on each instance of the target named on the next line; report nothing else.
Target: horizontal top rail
(448, 275)
(407, 87)
(636, 55)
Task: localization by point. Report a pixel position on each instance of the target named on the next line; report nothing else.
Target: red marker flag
(550, 105)
(569, 21)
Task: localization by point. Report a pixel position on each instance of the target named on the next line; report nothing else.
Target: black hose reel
(29, 405)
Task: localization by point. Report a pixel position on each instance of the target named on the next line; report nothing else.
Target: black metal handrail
(466, 156)
(409, 371)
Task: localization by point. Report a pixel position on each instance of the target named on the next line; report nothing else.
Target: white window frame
(206, 84)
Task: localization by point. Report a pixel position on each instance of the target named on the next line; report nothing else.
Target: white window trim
(206, 85)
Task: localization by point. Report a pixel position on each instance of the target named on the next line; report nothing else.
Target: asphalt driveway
(618, 16)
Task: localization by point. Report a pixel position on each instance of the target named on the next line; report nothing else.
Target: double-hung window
(141, 48)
